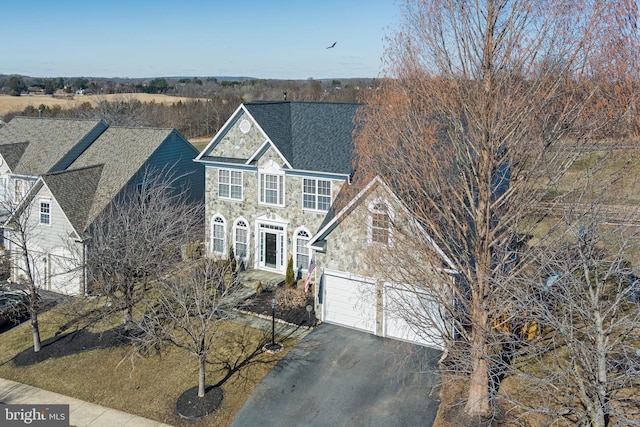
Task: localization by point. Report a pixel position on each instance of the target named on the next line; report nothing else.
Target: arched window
(218, 235)
(380, 216)
(241, 239)
(303, 253)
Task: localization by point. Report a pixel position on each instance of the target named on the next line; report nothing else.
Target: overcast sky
(280, 39)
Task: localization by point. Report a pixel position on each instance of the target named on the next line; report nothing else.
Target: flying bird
(333, 45)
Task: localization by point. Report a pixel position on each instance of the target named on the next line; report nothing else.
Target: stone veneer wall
(237, 144)
(249, 208)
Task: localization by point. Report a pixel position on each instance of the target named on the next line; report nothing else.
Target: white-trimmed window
(316, 194)
(18, 190)
(303, 253)
(241, 239)
(380, 220)
(272, 189)
(230, 184)
(218, 232)
(45, 212)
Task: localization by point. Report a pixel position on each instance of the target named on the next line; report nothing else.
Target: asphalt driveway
(340, 377)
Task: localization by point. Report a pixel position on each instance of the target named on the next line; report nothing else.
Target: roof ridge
(74, 169)
(68, 119)
(141, 128)
(281, 101)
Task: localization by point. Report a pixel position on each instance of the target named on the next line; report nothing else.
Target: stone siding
(237, 144)
(250, 209)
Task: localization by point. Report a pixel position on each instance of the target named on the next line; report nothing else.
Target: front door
(271, 246)
(271, 250)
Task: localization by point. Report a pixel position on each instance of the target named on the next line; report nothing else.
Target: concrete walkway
(81, 413)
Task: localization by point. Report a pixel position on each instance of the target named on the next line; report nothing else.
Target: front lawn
(97, 366)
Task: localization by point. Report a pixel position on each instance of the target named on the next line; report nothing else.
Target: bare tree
(138, 239)
(21, 235)
(579, 298)
(471, 131)
(189, 310)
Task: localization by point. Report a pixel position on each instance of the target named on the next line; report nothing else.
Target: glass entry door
(270, 250)
(272, 247)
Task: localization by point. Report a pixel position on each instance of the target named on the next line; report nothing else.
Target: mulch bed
(261, 304)
(191, 406)
(72, 343)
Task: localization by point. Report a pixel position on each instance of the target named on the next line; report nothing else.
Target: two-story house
(271, 174)
(279, 185)
(61, 206)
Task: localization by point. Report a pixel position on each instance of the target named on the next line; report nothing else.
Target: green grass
(148, 387)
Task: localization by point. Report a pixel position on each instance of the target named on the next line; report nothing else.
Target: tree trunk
(201, 375)
(35, 330)
(33, 313)
(602, 381)
(478, 403)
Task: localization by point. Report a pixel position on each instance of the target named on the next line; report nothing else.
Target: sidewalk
(81, 413)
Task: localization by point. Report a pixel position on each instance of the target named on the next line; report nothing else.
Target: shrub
(288, 298)
(289, 278)
(233, 264)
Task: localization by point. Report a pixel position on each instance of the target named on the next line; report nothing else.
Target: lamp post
(273, 322)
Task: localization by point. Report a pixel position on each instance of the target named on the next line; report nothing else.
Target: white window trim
(248, 240)
(370, 213)
(4, 188)
(316, 195)
(224, 235)
(17, 198)
(230, 185)
(48, 202)
(295, 248)
(271, 169)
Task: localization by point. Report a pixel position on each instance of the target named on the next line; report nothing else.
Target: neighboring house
(278, 185)
(62, 205)
(30, 147)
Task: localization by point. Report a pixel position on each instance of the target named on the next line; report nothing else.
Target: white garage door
(349, 302)
(404, 309)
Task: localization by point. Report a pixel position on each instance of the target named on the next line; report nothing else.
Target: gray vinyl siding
(44, 241)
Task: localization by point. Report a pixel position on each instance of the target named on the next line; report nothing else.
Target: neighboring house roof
(121, 152)
(74, 190)
(103, 170)
(12, 153)
(35, 146)
(311, 136)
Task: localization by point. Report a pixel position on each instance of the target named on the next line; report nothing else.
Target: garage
(349, 301)
(399, 301)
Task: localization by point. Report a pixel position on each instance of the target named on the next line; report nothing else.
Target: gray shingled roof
(74, 190)
(122, 152)
(42, 142)
(314, 136)
(12, 153)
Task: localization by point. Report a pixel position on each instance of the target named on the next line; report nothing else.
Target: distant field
(19, 103)
(200, 143)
